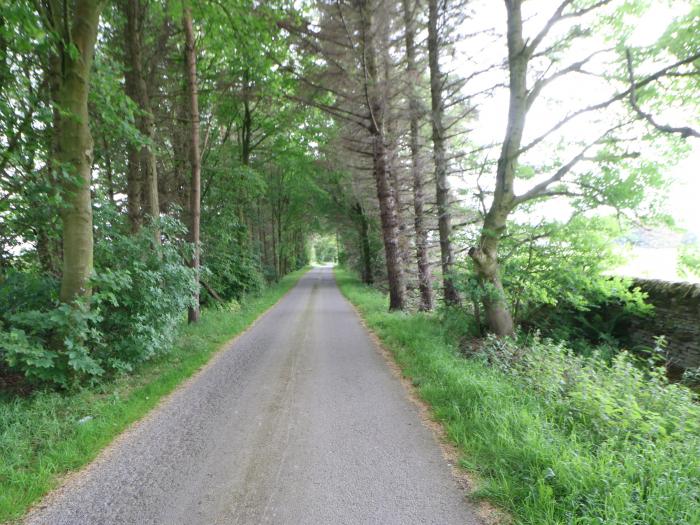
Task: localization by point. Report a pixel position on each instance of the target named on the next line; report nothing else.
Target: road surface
(299, 421)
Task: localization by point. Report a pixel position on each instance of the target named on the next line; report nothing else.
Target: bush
(22, 291)
(139, 296)
(618, 399)
(54, 345)
(232, 273)
(559, 285)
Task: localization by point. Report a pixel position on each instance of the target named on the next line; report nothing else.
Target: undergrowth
(554, 438)
(50, 433)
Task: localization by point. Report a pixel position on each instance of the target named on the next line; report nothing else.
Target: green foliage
(607, 400)
(21, 291)
(459, 324)
(139, 296)
(54, 345)
(556, 279)
(325, 249)
(140, 293)
(554, 438)
(689, 261)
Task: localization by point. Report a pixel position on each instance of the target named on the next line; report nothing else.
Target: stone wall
(676, 316)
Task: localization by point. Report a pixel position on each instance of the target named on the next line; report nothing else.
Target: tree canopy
(156, 156)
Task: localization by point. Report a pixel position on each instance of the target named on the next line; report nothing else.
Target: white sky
(570, 93)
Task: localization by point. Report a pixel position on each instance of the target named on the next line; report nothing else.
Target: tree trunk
(485, 256)
(424, 278)
(134, 183)
(273, 245)
(195, 211)
(385, 192)
(74, 148)
(280, 244)
(390, 148)
(109, 171)
(146, 178)
(390, 229)
(4, 68)
(365, 252)
(441, 181)
(485, 260)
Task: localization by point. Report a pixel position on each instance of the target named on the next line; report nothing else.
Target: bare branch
(615, 98)
(541, 189)
(558, 16)
(576, 67)
(683, 131)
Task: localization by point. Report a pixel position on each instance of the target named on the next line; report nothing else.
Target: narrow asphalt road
(300, 421)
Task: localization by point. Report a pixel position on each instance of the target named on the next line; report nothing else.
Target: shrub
(617, 399)
(139, 296)
(555, 285)
(22, 291)
(55, 345)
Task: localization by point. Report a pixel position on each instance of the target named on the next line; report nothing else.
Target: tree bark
(442, 184)
(390, 148)
(74, 145)
(485, 255)
(195, 210)
(109, 172)
(4, 69)
(134, 185)
(422, 259)
(146, 178)
(365, 251)
(385, 192)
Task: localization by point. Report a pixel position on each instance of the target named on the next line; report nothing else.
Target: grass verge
(49, 434)
(548, 459)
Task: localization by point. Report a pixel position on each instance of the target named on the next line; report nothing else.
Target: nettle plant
(605, 399)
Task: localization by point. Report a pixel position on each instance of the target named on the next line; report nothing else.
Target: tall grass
(51, 433)
(554, 439)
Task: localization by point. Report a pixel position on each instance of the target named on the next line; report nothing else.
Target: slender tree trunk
(177, 189)
(48, 249)
(382, 174)
(390, 229)
(422, 259)
(4, 69)
(138, 91)
(390, 141)
(246, 137)
(49, 242)
(74, 148)
(273, 241)
(441, 181)
(485, 255)
(134, 181)
(109, 171)
(195, 211)
(365, 252)
(280, 255)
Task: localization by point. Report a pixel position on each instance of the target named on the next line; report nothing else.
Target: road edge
(467, 481)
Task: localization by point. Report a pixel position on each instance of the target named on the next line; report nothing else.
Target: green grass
(41, 438)
(535, 458)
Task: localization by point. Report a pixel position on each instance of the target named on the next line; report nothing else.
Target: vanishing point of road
(299, 421)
